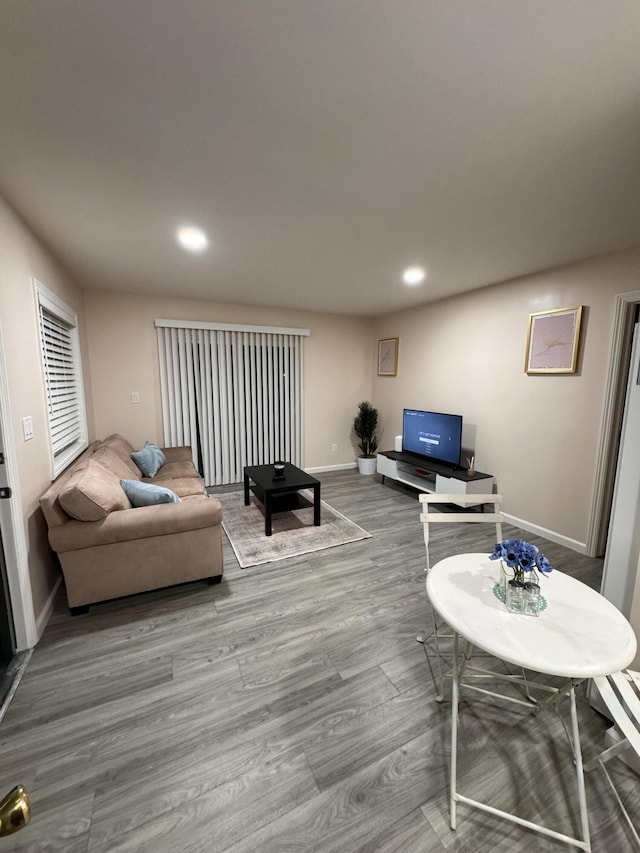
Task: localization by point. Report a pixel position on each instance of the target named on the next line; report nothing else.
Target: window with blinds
(62, 379)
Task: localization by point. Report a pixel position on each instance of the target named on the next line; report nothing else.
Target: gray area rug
(293, 530)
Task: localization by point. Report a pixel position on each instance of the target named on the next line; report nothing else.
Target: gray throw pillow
(150, 459)
(146, 494)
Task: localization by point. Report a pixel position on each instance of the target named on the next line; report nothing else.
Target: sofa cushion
(92, 492)
(177, 454)
(146, 494)
(54, 514)
(115, 439)
(182, 486)
(149, 521)
(177, 470)
(119, 445)
(149, 459)
(112, 461)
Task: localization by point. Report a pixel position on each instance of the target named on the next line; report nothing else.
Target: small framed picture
(388, 357)
(552, 341)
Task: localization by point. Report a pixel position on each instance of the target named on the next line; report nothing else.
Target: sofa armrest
(137, 523)
(177, 454)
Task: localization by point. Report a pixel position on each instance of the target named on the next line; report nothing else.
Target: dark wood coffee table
(261, 480)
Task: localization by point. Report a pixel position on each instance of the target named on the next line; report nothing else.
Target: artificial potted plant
(365, 426)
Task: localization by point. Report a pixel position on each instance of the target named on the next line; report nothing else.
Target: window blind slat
(63, 384)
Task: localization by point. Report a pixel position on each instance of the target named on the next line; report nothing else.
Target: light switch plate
(135, 396)
(27, 427)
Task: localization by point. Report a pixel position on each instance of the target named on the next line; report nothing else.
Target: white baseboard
(47, 610)
(345, 466)
(551, 535)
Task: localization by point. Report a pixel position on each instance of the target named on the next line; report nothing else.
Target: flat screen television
(432, 435)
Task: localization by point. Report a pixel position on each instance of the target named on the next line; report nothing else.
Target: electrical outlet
(334, 448)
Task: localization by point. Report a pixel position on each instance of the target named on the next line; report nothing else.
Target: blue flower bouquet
(521, 590)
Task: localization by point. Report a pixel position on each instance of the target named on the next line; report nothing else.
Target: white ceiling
(323, 144)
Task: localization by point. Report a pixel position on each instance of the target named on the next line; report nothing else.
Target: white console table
(427, 476)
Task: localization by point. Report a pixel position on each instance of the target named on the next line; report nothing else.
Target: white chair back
(447, 516)
(621, 694)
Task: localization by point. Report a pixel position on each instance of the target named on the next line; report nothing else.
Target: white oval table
(578, 635)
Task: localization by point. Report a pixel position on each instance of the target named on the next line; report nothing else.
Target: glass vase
(521, 591)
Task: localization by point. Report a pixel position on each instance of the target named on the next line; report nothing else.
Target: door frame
(614, 399)
(13, 532)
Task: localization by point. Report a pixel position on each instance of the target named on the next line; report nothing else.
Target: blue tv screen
(433, 435)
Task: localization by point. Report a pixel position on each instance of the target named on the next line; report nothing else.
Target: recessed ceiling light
(192, 239)
(413, 275)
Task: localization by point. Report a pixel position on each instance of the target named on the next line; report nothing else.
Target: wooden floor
(287, 709)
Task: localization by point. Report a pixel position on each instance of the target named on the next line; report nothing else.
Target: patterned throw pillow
(149, 459)
(146, 494)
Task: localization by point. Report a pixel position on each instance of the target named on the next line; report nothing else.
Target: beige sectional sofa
(108, 548)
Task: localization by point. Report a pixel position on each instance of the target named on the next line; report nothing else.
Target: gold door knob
(15, 811)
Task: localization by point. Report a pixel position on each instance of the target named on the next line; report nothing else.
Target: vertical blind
(234, 395)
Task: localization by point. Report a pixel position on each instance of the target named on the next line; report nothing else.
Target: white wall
(338, 357)
(538, 435)
(25, 258)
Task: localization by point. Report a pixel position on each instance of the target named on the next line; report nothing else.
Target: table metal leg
(583, 843)
(246, 490)
(584, 820)
(454, 735)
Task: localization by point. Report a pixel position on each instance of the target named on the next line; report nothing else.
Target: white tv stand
(427, 476)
